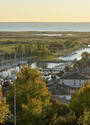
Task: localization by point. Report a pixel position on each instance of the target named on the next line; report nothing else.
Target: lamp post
(14, 78)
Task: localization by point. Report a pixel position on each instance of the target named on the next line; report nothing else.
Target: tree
(85, 118)
(67, 68)
(85, 55)
(5, 113)
(60, 121)
(81, 100)
(76, 66)
(61, 114)
(33, 98)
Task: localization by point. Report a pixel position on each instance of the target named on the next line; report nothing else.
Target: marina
(47, 68)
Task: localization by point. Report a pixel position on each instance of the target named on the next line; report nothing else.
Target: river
(70, 57)
(76, 55)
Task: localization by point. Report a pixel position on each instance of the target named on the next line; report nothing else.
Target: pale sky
(44, 10)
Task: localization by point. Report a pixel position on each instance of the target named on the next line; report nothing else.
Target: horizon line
(43, 22)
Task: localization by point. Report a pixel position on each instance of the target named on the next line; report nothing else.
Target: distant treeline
(37, 49)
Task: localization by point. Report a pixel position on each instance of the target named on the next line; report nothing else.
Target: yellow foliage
(34, 107)
(4, 109)
(84, 87)
(85, 118)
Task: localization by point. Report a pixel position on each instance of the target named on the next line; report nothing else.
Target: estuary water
(76, 55)
(71, 57)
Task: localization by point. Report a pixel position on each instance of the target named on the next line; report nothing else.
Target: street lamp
(14, 78)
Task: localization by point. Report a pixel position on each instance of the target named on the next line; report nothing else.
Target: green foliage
(67, 68)
(61, 114)
(76, 66)
(59, 108)
(34, 106)
(29, 44)
(85, 55)
(85, 118)
(33, 98)
(81, 100)
(60, 121)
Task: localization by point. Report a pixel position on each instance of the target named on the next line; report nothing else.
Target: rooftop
(76, 75)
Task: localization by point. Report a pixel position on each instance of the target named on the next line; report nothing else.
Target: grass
(7, 48)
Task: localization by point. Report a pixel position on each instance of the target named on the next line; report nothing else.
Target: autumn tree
(5, 113)
(33, 98)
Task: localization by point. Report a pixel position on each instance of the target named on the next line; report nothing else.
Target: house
(64, 90)
(74, 79)
(69, 83)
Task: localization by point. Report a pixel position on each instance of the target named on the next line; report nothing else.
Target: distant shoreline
(45, 26)
(49, 32)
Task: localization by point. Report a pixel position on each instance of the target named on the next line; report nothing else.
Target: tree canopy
(33, 98)
(85, 118)
(5, 113)
(81, 100)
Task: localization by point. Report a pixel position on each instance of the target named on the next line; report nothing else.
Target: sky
(44, 10)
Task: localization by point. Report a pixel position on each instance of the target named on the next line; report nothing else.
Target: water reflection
(49, 34)
(59, 66)
(75, 55)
